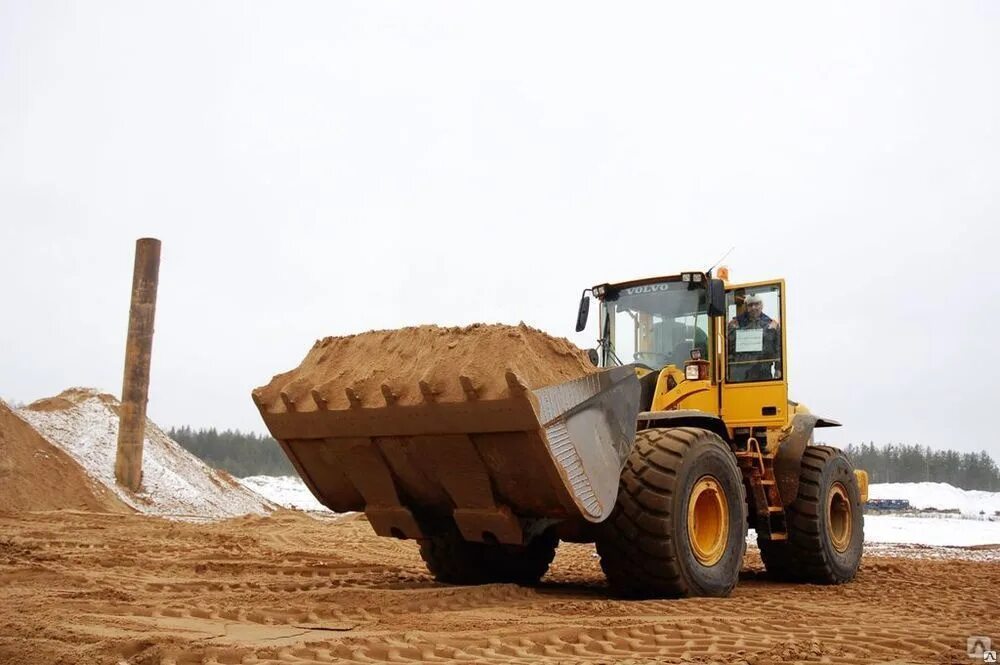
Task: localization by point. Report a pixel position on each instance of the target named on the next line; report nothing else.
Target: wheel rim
(708, 521)
(839, 517)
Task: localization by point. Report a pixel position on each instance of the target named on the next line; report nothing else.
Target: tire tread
(638, 560)
(803, 557)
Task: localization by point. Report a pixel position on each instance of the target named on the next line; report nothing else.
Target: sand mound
(70, 397)
(36, 475)
(402, 359)
(83, 423)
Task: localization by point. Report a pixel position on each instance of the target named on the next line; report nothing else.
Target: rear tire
(825, 524)
(679, 526)
(453, 560)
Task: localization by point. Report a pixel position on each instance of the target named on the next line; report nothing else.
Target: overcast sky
(324, 168)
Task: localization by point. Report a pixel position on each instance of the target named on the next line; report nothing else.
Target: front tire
(679, 526)
(453, 560)
(825, 523)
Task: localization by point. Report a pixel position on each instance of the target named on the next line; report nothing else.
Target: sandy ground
(289, 588)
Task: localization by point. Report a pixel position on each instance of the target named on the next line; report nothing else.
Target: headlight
(691, 372)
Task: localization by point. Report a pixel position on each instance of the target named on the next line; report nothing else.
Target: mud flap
(788, 460)
(789, 457)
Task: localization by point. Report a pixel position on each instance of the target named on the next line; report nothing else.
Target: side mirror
(716, 297)
(581, 315)
(594, 358)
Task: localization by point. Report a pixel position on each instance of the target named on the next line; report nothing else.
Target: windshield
(654, 325)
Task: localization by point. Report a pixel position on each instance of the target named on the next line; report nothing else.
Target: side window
(753, 334)
(625, 333)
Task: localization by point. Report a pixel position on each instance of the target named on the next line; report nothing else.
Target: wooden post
(138, 349)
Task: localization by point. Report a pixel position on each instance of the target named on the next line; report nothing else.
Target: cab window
(753, 334)
(655, 324)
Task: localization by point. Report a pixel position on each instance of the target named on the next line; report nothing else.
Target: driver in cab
(754, 343)
(753, 316)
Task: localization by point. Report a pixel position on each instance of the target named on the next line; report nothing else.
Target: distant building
(888, 504)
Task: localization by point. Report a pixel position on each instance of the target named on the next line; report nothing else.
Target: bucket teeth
(515, 383)
(289, 402)
(471, 392)
(428, 391)
(353, 397)
(391, 396)
(321, 402)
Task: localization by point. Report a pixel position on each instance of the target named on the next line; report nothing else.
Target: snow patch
(286, 491)
(937, 531)
(175, 483)
(940, 496)
(931, 531)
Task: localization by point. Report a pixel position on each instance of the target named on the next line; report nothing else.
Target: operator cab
(698, 344)
(655, 323)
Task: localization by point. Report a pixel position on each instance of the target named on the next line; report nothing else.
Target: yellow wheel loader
(675, 438)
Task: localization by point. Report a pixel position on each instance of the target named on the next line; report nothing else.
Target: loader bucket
(487, 461)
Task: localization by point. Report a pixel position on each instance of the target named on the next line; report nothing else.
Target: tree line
(903, 463)
(240, 453)
(248, 454)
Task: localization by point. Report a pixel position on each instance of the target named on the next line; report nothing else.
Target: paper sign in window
(750, 341)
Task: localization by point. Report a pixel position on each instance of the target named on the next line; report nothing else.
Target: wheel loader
(677, 439)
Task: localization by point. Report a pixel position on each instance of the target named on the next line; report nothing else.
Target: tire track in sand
(290, 588)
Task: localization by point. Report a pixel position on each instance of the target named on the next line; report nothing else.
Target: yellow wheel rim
(708, 521)
(838, 517)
